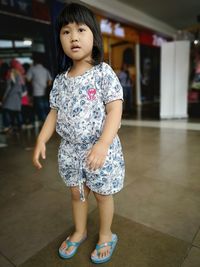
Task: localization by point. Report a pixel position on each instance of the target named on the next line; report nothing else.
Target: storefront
(194, 82)
(136, 52)
(150, 64)
(119, 51)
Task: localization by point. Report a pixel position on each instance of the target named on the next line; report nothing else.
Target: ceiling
(179, 14)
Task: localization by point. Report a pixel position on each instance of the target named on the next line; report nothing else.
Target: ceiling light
(27, 42)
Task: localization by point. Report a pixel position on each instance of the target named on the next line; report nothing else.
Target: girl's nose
(74, 37)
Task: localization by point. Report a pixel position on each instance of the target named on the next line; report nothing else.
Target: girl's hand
(97, 155)
(40, 150)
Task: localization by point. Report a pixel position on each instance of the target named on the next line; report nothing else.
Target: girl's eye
(66, 32)
(81, 30)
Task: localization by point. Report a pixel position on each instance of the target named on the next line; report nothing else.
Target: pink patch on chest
(91, 93)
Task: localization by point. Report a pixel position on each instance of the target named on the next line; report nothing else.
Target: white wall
(182, 50)
(174, 79)
(138, 75)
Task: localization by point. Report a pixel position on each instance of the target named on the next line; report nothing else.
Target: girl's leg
(106, 211)
(79, 212)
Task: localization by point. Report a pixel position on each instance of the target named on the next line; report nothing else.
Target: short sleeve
(111, 87)
(54, 94)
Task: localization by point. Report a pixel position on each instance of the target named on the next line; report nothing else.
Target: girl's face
(77, 41)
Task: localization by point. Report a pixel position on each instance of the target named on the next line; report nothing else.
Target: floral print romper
(80, 103)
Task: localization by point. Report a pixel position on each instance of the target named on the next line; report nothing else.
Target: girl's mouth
(75, 48)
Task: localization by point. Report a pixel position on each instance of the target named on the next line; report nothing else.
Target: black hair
(77, 13)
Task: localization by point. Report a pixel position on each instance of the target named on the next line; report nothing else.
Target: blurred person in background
(4, 67)
(11, 101)
(27, 103)
(40, 79)
(127, 85)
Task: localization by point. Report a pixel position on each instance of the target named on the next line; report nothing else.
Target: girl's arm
(44, 135)
(112, 122)
(98, 153)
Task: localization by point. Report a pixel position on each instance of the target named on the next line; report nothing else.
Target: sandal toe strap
(70, 244)
(103, 245)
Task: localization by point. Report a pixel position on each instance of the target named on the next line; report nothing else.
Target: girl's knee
(75, 194)
(102, 198)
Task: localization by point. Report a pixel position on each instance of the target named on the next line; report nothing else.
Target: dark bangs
(81, 15)
(74, 13)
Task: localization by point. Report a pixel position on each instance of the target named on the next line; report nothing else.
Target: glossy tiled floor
(157, 214)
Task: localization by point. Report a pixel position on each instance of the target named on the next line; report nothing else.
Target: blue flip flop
(112, 244)
(62, 252)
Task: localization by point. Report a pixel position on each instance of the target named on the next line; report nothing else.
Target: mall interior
(157, 213)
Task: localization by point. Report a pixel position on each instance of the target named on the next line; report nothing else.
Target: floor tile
(193, 258)
(138, 246)
(33, 221)
(196, 241)
(5, 262)
(164, 206)
(181, 167)
(157, 211)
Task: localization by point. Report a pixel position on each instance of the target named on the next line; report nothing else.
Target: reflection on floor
(157, 213)
(171, 124)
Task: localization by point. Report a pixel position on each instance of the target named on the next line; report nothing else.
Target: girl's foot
(104, 251)
(75, 237)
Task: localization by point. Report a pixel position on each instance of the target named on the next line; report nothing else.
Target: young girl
(86, 107)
